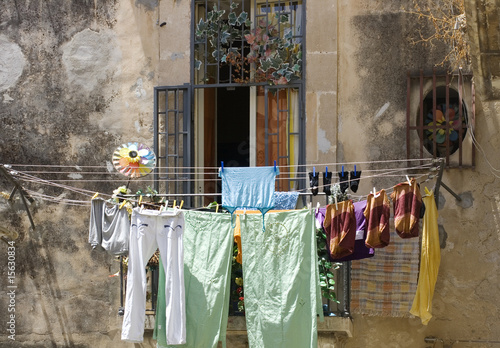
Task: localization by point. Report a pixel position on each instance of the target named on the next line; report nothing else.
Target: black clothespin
(327, 182)
(314, 181)
(355, 175)
(344, 180)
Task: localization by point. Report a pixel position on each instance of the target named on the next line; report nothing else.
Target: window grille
(440, 114)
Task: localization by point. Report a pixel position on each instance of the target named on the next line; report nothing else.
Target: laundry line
(207, 173)
(28, 178)
(331, 164)
(203, 176)
(134, 198)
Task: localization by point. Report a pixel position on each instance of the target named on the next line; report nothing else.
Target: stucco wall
(374, 57)
(76, 80)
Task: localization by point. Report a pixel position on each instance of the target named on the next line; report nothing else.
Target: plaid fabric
(385, 284)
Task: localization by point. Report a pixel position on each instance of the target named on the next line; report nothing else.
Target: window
(440, 118)
(244, 105)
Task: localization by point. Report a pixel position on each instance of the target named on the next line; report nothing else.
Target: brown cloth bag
(377, 214)
(340, 228)
(407, 202)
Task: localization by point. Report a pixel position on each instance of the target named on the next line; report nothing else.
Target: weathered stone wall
(76, 80)
(374, 57)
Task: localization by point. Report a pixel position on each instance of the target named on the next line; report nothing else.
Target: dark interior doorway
(233, 126)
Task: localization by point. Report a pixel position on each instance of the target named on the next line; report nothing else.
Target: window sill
(340, 325)
(236, 325)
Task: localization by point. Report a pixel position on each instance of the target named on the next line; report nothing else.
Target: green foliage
(325, 267)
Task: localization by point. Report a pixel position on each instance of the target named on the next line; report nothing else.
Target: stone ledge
(237, 326)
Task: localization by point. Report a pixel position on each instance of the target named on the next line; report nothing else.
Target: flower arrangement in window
(440, 135)
(275, 54)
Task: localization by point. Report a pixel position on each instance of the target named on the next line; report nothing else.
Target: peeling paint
(12, 63)
(176, 55)
(324, 145)
(91, 58)
(149, 5)
(382, 109)
(6, 98)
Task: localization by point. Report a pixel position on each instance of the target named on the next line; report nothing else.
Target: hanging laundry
(340, 228)
(377, 214)
(237, 229)
(208, 250)
(280, 273)
(361, 251)
(250, 188)
(237, 239)
(151, 230)
(430, 259)
(285, 200)
(407, 202)
(109, 227)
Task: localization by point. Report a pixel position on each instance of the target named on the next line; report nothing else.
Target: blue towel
(285, 200)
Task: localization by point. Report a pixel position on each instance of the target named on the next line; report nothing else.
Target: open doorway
(233, 126)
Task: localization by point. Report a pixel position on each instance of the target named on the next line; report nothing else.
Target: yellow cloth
(237, 238)
(430, 259)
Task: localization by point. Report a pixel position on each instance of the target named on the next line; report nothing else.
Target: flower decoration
(134, 159)
(454, 124)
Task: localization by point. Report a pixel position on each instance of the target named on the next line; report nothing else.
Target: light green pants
(208, 245)
(280, 279)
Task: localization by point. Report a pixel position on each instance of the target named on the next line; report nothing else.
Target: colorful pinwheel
(134, 159)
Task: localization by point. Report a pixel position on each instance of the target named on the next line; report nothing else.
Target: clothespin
(95, 196)
(140, 200)
(336, 204)
(217, 208)
(182, 202)
(175, 203)
(317, 208)
(275, 166)
(408, 179)
(221, 166)
(355, 170)
(123, 203)
(309, 206)
(314, 171)
(342, 170)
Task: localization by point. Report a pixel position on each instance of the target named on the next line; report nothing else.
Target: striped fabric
(377, 214)
(385, 284)
(407, 202)
(340, 228)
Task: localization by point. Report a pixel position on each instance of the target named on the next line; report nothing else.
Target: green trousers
(208, 245)
(280, 279)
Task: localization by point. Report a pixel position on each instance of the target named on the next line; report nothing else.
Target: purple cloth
(361, 251)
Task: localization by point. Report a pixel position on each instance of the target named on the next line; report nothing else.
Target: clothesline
(318, 165)
(211, 173)
(211, 176)
(25, 177)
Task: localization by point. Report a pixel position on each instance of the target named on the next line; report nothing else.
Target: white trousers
(149, 230)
